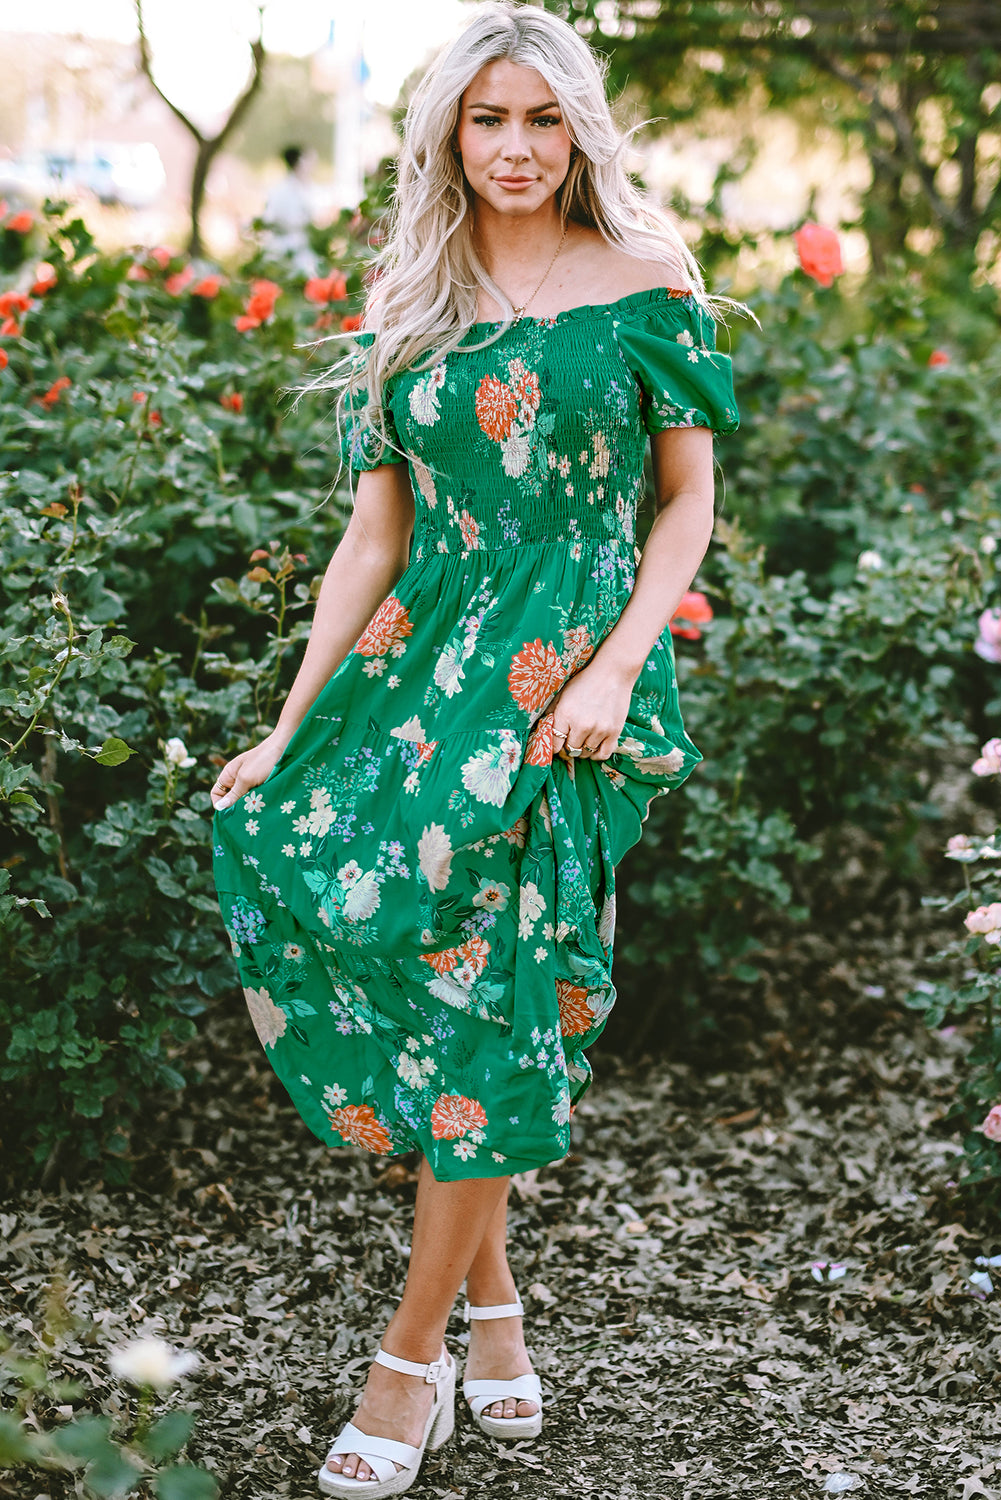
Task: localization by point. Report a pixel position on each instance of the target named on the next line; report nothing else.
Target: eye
(486, 119)
(548, 120)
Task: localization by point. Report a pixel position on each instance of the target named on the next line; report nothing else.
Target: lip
(514, 182)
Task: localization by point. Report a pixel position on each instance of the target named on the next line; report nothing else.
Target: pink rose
(959, 845)
(985, 922)
(988, 642)
(992, 1125)
(989, 763)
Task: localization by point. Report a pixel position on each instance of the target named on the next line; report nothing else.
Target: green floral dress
(421, 898)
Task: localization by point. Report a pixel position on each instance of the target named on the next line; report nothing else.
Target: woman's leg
(496, 1345)
(450, 1221)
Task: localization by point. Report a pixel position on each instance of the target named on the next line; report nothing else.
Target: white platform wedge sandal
(483, 1393)
(383, 1454)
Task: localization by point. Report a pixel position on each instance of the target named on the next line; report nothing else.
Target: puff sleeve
(362, 448)
(670, 347)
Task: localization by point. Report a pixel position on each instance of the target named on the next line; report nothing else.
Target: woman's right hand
(247, 770)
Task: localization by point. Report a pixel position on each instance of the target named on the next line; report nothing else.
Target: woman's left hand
(589, 713)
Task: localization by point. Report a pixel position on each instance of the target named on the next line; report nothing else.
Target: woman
(421, 897)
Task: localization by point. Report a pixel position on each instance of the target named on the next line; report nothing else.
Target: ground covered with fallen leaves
(749, 1279)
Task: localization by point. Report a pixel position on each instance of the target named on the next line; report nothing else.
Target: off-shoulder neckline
(651, 297)
(648, 298)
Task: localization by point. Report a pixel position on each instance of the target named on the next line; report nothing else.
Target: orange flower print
(470, 530)
(516, 834)
(536, 673)
(453, 1115)
(576, 1016)
(539, 750)
(496, 408)
(357, 1124)
(474, 951)
(386, 629)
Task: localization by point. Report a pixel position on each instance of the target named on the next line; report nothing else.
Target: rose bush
(163, 518)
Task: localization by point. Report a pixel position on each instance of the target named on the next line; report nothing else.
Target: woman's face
(514, 146)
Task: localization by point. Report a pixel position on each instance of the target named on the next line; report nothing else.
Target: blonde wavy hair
(428, 273)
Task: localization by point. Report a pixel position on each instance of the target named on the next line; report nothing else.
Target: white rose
(175, 753)
(869, 562)
(151, 1361)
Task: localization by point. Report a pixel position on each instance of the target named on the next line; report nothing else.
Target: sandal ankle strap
(481, 1314)
(430, 1374)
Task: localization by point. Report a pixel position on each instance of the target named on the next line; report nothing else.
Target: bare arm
(366, 564)
(592, 708)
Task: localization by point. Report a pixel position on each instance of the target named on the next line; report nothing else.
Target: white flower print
(448, 673)
(487, 774)
(444, 988)
(334, 1095)
(288, 850)
(424, 407)
(685, 337)
(425, 483)
(598, 468)
(349, 873)
(362, 897)
(393, 681)
(375, 666)
(321, 815)
(531, 906)
(251, 826)
(606, 922)
(410, 730)
(295, 952)
(253, 802)
(287, 807)
(464, 1150)
(409, 1071)
(269, 1019)
(411, 782)
(434, 854)
(516, 452)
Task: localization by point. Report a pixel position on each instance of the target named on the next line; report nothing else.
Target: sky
(199, 46)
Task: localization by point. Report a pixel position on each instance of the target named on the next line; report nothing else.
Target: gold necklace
(520, 311)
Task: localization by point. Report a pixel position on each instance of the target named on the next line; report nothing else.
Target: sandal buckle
(432, 1374)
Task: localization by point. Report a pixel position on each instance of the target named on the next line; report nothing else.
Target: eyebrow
(498, 109)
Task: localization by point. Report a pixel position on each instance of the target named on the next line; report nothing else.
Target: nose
(515, 144)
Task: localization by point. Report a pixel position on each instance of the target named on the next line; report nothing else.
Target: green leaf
(25, 799)
(113, 752)
(168, 1436)
(15, 1444)
(185, 1482)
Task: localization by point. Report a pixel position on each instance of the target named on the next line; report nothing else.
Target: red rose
(10, 328)
(693, 611)
(54, 391)
(3, 359)
(351, 323)
(21, 223)
(208, 287)
(232, 401)
(175, 284)
(245, 322)
(136, 272)
(162, 256)
(937, 358)
(332, 288)
(13, 302)
(262, 299)
(819, 253)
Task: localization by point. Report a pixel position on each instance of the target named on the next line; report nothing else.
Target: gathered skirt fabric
(421, 898)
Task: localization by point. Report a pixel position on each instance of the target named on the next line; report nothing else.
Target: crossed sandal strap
(430, 1374)
(381, 1454)
(483, 1393)
(481, 1314)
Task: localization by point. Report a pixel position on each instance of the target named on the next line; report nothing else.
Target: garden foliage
(164, 516)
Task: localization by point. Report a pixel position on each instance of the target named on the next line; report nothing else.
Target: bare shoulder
(620, 274)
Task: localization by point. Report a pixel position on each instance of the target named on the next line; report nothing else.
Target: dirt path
(689, 1346)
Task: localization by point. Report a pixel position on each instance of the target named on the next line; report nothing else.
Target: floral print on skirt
(420, 898)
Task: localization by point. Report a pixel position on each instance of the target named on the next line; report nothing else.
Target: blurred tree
(206, 146)
(290, 110)
(918, 82)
